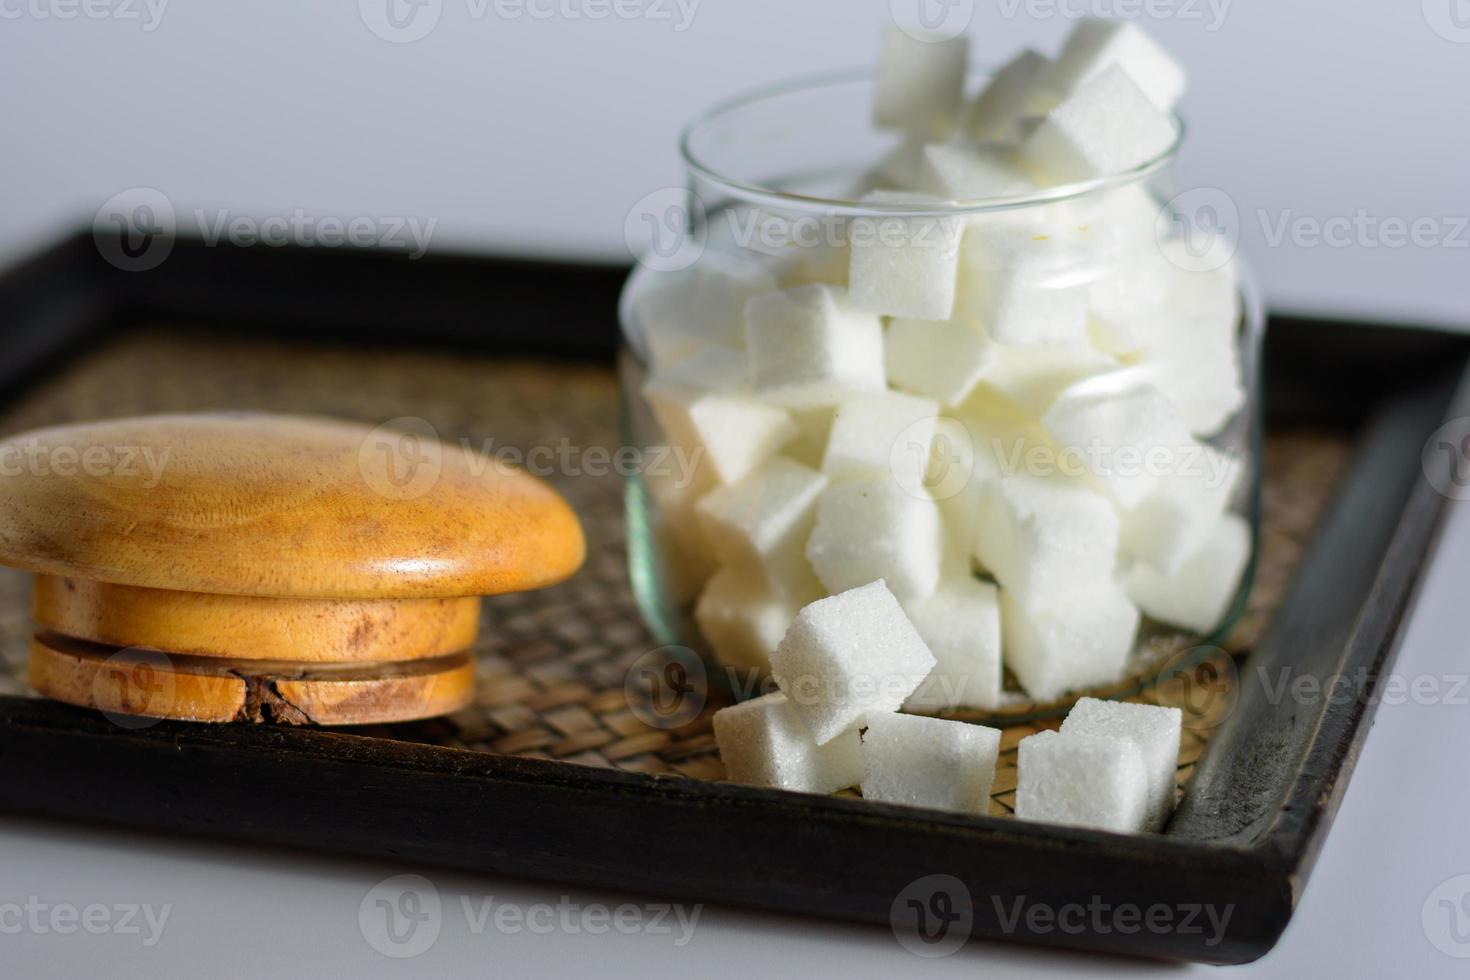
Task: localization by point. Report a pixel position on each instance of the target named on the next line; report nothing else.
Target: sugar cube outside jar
(1028, 402)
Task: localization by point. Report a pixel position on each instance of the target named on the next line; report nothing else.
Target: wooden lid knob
(283, 506)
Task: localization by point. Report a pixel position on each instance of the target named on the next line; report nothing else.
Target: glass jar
(777, 193)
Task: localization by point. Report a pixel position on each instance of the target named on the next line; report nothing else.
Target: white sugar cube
(1007, 97)
(1200, 376)
(1108, 126)
(970, 172)
(875, 529)
(741, 620)
(809, 349)
(760, 524)
(1044, 537)
(1019, 284)
(822, 264)
(711, 368)
(680, 312)
(1200, 283)
(1002, 434)
(814, 425)
(1125, 307)
(885, 435)
(1150, 289)
(683, 559)
(1082, 781)
(989, 438)
(960, 623)
(1194, 358)
(1153, 729)
(901, 265)
(1032, 377)
(1077, 640)
(929, 762)
(955, 482)
(1095, 45)
(1173, 522)
(939, 359)
(847, 657)
(764, 743)
(921, 83)
(1198, 595)
(898, 169)
(703, 406)
(1122, 430)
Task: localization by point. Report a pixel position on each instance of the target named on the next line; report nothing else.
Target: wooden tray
(565, 769)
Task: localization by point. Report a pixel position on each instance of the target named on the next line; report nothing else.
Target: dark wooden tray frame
(1247, 833)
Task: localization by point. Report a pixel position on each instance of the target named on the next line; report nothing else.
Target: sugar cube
(1082, 781)
(681, 557)
(1198, 595)
(1001, 432)
(763, 742)
(1153, 729)
(1194, 358)
(1073, 641)
(1095, 45)
(882, 435)
(875, 529)
(1122, 430)
(902, 265)
(1045, 537)
(1126, 313)
(712, 368)
(970, 172)
(1172, 522)
(939, 359)
(809, 349)
(1150, 289)
(921, 83)
(1201, 376)
(1020, 287)
(681, 312)
(898, 169)
(1108, 126)
(742, 620)
(847, 657)
(960, 623)
(929, 762)
(813, 425)
(995, 112)
(1032, 377)
(988, 437)
(824, 263)
(783, 240)
(703, 407)
(760, 524)
(954, 481)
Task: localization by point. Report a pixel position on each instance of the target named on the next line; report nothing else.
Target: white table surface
(515, 134)
(248, 910)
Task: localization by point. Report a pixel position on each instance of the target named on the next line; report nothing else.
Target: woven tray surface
(553, 665)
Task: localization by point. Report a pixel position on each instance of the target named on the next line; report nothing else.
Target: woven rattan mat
(553, 664)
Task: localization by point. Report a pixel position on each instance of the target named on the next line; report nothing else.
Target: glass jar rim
(756, 193)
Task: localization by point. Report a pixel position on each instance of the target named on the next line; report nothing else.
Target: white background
(536, 136)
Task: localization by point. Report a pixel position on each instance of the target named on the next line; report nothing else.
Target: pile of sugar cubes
(846, 665)
(1002, 415)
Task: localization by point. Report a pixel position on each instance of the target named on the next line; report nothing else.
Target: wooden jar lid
(285, 569)
(253, 627)
(162, 685)
(283, 506)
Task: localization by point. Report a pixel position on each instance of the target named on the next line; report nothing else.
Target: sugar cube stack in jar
(941, 336)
